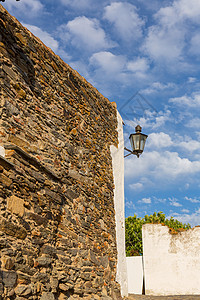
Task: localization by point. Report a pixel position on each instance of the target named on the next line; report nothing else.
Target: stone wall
(57, 225)
(171, 260)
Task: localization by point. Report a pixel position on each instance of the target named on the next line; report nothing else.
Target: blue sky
(145, 56)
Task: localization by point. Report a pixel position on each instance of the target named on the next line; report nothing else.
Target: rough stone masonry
(57, 218)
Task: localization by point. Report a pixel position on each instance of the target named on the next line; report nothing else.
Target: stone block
(9, 278)
(104, 261)
(93, 258)
(47, 249)
(71, 194)
(43, 261)
(23, 290)
(37, 218)
(7, 262)
(18, 141)
(62, 297)
(54, 284)
(54, 196)
(9, 71)
(47, 296)
(64, 287)
(12, 229)
(6, 181)
(15, 205)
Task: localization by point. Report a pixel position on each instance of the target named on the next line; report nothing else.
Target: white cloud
(112, 68)
(25, 7)
(184, 210)
(191, 79)
(159, 140)
(179, 12)
(139, 66)
(193, 219)
(85, 33)
(151, 119)
(163, 44)
(162, 118)
(166, 40)
(130, 204)
(188, 10)
(190, 146)
(193, 123)
(136, 186)
(126, 20)
(44, 36)
(161, 166)
(157, 87)
(195, 44)
(145, 200)
(159, 200)
(192, 200)
(108, 62)
(118, 65)
(190, 101)
(174, 202)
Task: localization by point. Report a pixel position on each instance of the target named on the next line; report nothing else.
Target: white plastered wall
(118, 174)
(171, 261)
(135, 274)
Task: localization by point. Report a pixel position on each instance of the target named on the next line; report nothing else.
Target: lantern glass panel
(135, 142)
(132, 142)
(142, 141)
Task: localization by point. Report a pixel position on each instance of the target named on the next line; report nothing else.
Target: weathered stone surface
(9, 72)
(46, 249)
(43, 261)
(9, 278)
(47, 296)
(23, 290)
(37, 218)
(64, 287)
(12, 229)
(104, 261)
(62, 297)
(93, 258)
(54, 284)
(5, 180)
(7, 262)
(57, 222)
(16, 205)
(18, 141)
(71, 194)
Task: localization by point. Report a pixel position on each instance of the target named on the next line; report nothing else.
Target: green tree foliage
(133, 230)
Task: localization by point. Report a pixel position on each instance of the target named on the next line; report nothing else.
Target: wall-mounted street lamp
(137, 141)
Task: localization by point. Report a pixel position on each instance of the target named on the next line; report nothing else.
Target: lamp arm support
(127, 155)
(131, 152)
(127, 150)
